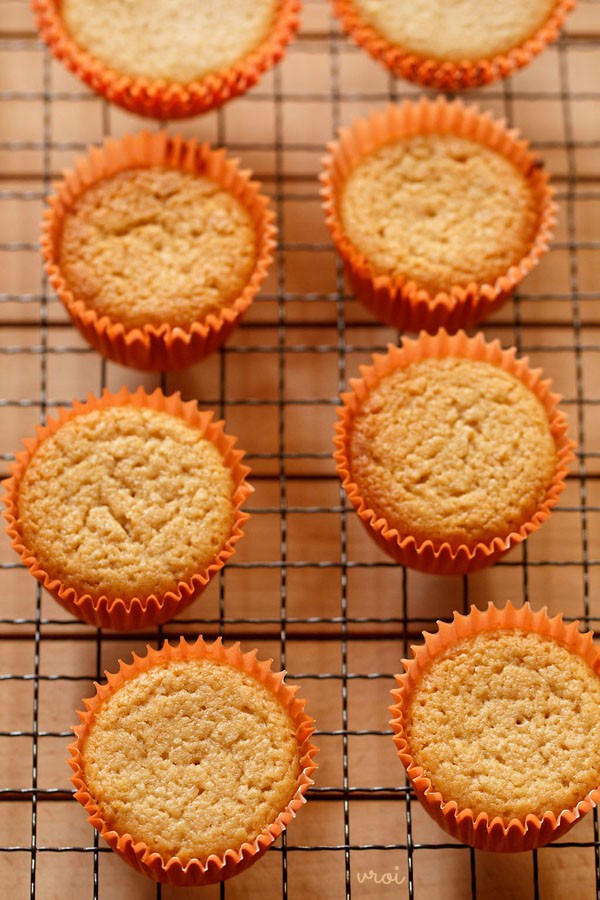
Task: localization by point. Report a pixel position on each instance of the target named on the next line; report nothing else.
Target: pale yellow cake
(171, 40)
(149, 246)
(457, 30)
(191, 757)
(125, 502)
(440, 210)
(507, 723)
(452, 450)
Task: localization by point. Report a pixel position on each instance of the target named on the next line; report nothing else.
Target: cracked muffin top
(169, 40)
(439, 210)
(193, 757)
(507, 723)
(125, 501)
(155, 245)
(452, 450)
(457, 31)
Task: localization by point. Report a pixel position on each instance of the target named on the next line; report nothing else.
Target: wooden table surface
(307, 586)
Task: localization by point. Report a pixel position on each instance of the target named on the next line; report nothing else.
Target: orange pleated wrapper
(196, 872)
(429, 556)
(160, 99)
(153, 347)
(447, 75)
(483, 832)
(109, 611)
(400, 302)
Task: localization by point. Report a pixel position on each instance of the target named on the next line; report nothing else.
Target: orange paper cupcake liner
(401, 302)
(165, 346)
(160, 99)
(481, 831)
(446, 75)
(433, 557)
(138, 612)
(196, 872)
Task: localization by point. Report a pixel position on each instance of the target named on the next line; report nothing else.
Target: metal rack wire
(306, 586)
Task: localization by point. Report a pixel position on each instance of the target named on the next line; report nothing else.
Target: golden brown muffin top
(440, 210)
(192, 757)
(148, 246)
(467, 29)
(508, 723)
(171, 40)
(126, 502)
(454, 450)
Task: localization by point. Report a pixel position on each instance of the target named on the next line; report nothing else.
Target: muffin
(168, 59)
(157, 247)
(125, 507)
(437, 212)
(498, 725)
(451, 451)
(192, 761)
(453, 46)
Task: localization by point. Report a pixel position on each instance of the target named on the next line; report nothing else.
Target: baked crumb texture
(157, 245)
(464, 30)
(452, 450)
(507, 724)
(125, 502)
(192, 757)
(174, 41)
(439, 210)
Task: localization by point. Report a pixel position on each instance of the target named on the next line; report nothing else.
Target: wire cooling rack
(306, 585)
